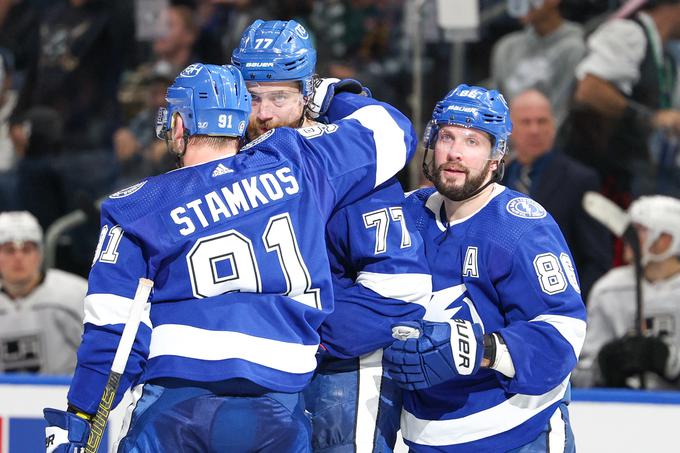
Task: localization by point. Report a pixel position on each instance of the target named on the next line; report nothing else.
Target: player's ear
(494, 165)
(177, 128)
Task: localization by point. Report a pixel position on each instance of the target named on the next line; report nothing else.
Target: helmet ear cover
(276, 51)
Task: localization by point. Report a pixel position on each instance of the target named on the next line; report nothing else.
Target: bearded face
(461, 164)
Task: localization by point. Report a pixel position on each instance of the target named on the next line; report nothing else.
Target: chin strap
(496, 176)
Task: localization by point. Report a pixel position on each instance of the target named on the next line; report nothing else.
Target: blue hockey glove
(325, 89)
(65, 432)
(443, 351)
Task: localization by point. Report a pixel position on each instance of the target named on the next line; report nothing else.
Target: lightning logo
(452, 302)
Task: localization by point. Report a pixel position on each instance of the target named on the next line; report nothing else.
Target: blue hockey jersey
(241, 285)
(379, 271)
(507, 268)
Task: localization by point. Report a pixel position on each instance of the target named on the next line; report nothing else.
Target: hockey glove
(443, 351)
(65, 432)
(325, 89)
(631, 355)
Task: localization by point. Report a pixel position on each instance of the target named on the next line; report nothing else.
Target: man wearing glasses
(379, 271)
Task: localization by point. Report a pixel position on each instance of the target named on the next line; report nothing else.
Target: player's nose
(265, 112)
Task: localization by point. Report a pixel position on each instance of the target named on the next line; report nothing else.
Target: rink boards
(602, 419)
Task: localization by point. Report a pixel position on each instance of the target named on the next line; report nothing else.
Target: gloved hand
(443, 351)
(325, 89)
(631, 355)
(65, 432)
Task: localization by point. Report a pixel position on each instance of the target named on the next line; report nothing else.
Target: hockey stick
(618, 222)
(98, 422)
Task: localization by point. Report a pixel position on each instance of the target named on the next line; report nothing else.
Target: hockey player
(379, 271)
(490, 368)
(613, 356)
(41, 313)
(231, 242)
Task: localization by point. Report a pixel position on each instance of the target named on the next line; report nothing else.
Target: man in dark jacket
(558, 182)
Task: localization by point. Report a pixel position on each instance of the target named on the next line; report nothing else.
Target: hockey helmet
(473, 107)
(212, 100)
(20, 226)
(658, 214)
(276, 51)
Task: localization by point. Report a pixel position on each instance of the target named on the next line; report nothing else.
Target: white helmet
(659, 214)
(20, 226)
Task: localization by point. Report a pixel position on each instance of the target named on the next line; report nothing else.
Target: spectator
(8, 100)
(138, 152)
(625, 91)
(612, 356)
(541, 56)
(175, 46)
(41, 313)
(82, 49)
(557, 182)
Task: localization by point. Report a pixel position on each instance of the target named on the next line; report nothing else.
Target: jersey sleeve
(367, 143)
(615, 51)
(545, 315)
(118, 264)
(380, 274)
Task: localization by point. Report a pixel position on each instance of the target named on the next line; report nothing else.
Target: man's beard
(467, 190)
(255, 126)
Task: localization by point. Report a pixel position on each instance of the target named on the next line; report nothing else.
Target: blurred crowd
(591, 84)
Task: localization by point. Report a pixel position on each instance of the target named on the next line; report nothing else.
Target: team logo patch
(192, 70)
(301, 32)
(526, 208)
(241, 127)
(259, 139)
(129, 191)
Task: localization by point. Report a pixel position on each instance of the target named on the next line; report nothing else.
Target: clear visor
(434, 136)
(283, 98)
(161, 123)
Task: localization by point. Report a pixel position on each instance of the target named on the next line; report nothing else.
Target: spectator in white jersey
(41, 313)
(612, 356)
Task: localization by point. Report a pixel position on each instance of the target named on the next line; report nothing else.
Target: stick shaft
(98, 423)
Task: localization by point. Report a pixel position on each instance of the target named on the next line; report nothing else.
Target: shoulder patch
(259, 139)
(129, 191)
(317, 130)
(525, 208)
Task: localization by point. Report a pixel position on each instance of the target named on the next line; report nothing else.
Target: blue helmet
(212, 100)
(276, 51)
(473, 107)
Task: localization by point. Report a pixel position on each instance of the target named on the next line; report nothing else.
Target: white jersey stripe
(105, 309)
(368, 400)
(195, 343)
(557, 436)
(498, 419)
(390, 147)
(412, 288)
(573, 330)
